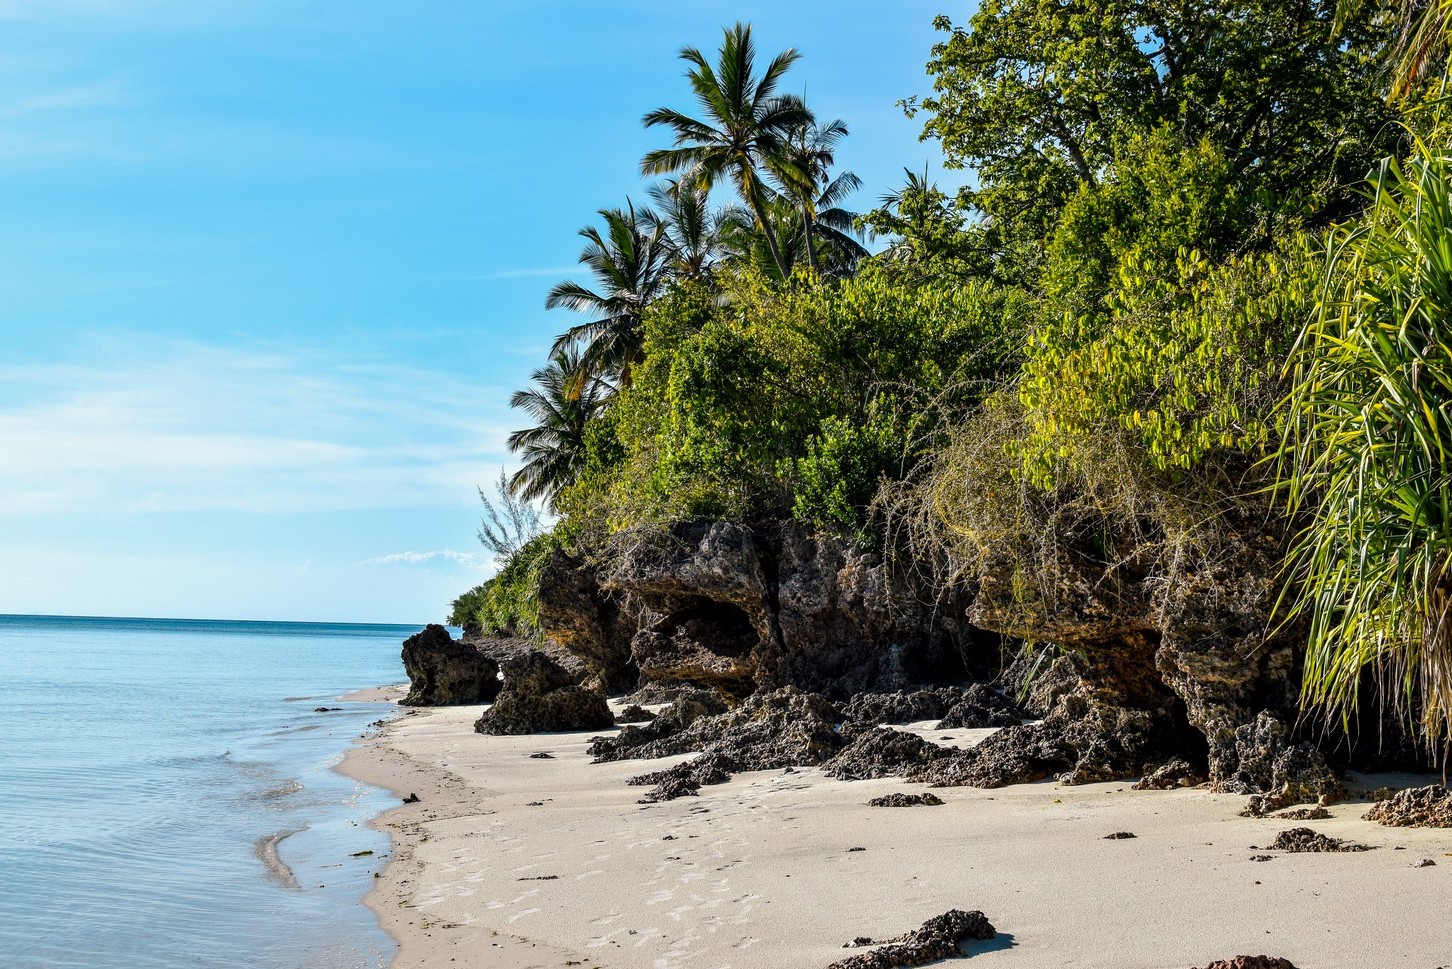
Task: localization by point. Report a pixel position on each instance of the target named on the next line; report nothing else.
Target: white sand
(757, 872)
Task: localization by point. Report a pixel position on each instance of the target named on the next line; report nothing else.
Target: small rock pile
(940, 937)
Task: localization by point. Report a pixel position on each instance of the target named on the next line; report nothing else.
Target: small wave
(277, 793)
(277, 869)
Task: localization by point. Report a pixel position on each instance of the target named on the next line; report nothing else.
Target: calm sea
(143, 764)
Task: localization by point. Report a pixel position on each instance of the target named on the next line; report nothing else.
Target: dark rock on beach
(541, 695)
(940, 937)
(1251, 962)
(883, 752)
(443, 671)
(1419, 807)
(898, 799)
(768, 731)
(1168, 776)
(685, 779)
(690, 704)
(634, 714)
(953, 707)
(1307, 839)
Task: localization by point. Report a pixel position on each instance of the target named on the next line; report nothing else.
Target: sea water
(146, 765)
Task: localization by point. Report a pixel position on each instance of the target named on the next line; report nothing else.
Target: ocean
(145, 765)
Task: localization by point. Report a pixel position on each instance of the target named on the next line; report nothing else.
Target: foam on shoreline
(277, 869)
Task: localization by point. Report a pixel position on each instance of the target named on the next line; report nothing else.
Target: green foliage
(747, 393)
(507, 604)
(1183, 365)
(1039, 99)
(1369, 451)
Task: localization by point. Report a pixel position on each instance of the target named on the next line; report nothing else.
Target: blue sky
(270, 270)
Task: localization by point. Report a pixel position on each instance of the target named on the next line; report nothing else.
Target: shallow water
(145, 764)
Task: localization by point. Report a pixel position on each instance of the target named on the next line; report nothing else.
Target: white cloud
(467, 559)
(149, 425)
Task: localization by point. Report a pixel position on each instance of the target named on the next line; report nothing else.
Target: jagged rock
(954, 707)
(634, 714)
(443, 671)
(1168, 776)
(1271, 761)
(940, 937)
(1014, 755)
(541, 695)
(981, 707)
(1251, 962)
(898, 799)
(883, 752)
(685, 779)
(1307, 839)
(768, 731)
(690, 705)
(586, 621)
(1418, 807)
(902, 706)
(1304, 814)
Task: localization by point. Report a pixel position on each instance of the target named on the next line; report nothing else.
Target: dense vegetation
(1169, 288)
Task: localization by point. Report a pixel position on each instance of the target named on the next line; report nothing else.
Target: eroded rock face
(954, 707)
(539, 696)
(723, 605)
(443, 671)
(576, 614)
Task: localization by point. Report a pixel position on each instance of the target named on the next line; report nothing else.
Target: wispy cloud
(466, 559)
(149, 425)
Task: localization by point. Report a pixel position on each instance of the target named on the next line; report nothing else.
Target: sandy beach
(512, 861)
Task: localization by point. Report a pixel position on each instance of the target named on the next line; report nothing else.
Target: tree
(683, 213)
(562, 404)
(629, 263)
(1038, 98)
(745, 127)
(810, 152)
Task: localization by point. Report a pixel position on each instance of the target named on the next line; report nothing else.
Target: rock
(443, 671)
(1014, 755)
(1168, 776)
(1119, 836)
(685, 779)
(927, 799)
(768, 731)
(883, 752)
(981, 707)
(690, 704)
(954, 707)
(541, 755)
(1424, 863)
(1270, 760)
(1251, 962)
(1317, 813)
(1418, 807)
(411, 799)
(940, 937)
(1306, 839)
(540, 695)
(326, 709)
(587, 621)
(634, 714)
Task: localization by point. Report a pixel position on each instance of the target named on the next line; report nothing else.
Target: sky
(270, 270)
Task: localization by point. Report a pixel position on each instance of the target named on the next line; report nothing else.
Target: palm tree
(745, 128)
(630, 264)
(562, 403)
(693, 231)
(810, 151)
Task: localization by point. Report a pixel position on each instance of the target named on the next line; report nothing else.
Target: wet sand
(513, 862)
